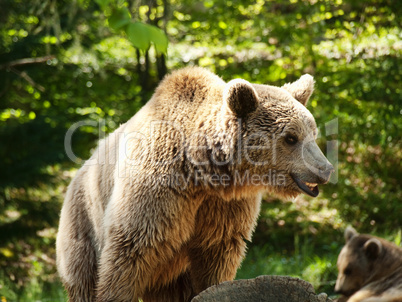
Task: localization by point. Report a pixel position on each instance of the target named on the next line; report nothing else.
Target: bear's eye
(290, 139)
(347, 271)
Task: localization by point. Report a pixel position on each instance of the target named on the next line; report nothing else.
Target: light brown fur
(370, 269)
(144, 217)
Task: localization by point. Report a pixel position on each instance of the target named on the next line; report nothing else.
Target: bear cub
(370, 269)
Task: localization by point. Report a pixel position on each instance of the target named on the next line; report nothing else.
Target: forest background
(98, 62)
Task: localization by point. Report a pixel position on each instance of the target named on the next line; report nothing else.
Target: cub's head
(278, 135)
(356, 261)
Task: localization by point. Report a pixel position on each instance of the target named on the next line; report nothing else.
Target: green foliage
(70, 61)
(119, 18)
(140, 34)
(320, 271)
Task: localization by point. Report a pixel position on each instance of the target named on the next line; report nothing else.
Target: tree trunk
(262, 289)
(161, 64)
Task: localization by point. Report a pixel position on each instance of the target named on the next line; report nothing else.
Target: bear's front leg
(218, 245)
(123, 272)
(177, 290)
(216, 263)
(144, 231)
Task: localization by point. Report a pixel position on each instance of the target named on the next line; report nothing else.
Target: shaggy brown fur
(370, 269)
(162, 209)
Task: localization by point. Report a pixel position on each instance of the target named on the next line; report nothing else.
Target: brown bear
(370, 269)
(162, 209)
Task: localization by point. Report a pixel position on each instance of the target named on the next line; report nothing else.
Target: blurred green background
(67, 61)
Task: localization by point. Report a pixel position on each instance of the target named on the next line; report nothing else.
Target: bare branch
(27, 78)
(26, 61)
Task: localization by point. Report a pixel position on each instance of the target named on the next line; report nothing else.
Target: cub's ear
(302, 89)
(350, 233)
(373, 248)
(241, 97)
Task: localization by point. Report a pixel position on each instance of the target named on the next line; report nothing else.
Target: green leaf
(102, 3)
(158, 38)
(120, 17)
(139, 35)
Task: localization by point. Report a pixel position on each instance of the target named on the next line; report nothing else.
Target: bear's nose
(324, 172)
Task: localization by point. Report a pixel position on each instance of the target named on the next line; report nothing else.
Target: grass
(304, 262)
(36, 290)
(300, 239)
(320, 271)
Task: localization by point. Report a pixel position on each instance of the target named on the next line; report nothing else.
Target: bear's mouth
(308, 188)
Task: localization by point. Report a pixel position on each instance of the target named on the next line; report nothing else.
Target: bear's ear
(373, 248)
(302, 89)
(241, 97)
(350, 232)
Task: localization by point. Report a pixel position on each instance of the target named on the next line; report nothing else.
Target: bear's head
(278, 135)
(356, 261)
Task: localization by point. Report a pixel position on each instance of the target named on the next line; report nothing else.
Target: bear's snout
(324, 173)
(317, 167)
